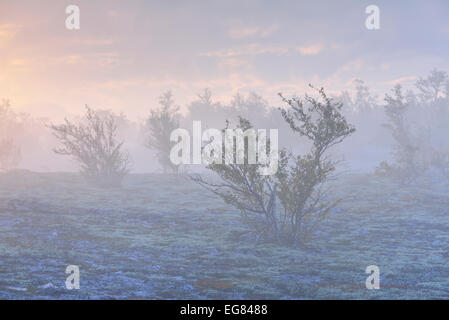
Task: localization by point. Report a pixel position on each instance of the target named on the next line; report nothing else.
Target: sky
(127, 53)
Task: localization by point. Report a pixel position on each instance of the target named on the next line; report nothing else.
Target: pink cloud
(310, 50)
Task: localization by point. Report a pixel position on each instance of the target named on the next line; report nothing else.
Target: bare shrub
(94, 145)
(299, 183)
(243, 187)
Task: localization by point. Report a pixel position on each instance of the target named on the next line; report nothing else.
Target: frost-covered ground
(166, 238)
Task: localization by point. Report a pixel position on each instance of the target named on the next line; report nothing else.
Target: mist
(224, 150)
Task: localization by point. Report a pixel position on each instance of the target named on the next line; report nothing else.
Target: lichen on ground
(163, 237)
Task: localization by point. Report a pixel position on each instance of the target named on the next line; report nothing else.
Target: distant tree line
(286, 206)
(414, 123)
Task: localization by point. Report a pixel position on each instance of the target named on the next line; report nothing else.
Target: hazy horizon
(126, 55)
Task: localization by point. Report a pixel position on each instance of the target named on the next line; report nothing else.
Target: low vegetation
(93, 143)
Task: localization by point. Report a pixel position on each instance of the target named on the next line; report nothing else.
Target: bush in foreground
(299, 183)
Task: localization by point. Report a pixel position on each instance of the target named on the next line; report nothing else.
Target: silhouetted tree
(160, 124)
(433, 86)
(405, 148)
(301, 178)
(362, 101)
(10, 153)
(432, 115)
